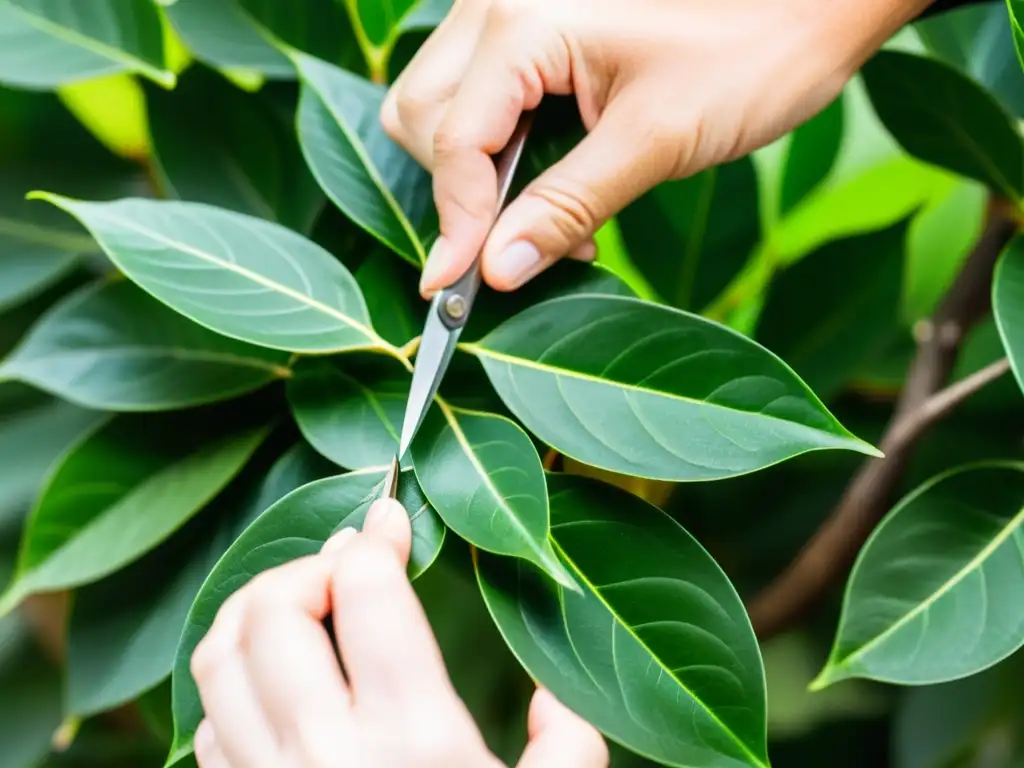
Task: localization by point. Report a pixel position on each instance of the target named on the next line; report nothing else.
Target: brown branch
(832, 549)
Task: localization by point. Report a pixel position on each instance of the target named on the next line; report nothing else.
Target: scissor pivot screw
(455, 306)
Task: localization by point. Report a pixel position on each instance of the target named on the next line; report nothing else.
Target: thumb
(388, 520)
(559, 737)
(559, 212)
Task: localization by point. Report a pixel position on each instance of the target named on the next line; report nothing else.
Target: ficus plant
(640, 479)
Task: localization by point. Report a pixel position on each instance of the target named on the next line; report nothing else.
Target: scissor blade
(436, 348)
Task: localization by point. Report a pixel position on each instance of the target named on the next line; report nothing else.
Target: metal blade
(436, 349)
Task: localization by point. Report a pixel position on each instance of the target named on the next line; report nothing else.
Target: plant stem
(923, 401)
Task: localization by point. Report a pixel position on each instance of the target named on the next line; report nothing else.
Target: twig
(830, 552)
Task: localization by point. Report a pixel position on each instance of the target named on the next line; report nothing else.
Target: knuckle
(389, 116)
(210, 654)
(449, 142)
(576, 207)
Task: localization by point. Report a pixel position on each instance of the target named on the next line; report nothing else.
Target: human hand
(666, 88)
(275, 696)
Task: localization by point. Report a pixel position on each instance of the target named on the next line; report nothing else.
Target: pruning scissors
(447, 316)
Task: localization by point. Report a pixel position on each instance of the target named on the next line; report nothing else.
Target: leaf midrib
(976, 562)
(476, 349)
(625, 625)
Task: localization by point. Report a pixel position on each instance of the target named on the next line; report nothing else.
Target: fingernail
(519, 262)
(334, 544)
(434, 269)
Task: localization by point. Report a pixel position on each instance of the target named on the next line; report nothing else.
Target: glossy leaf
(244, 34)
(35, 430)
(650, 391)
(383, 21)
(45, 43)
(370, 178)
(111, 346)
(240, 276)
(124, 630)
(44, 146)
(690, 238)
(295, 526)
(392, 295)
(934, 594)
(483, 476)
(657, 652)
(1008, 305)
(117, 494)
(353, 416)
(811, 155)
(217, 144)
(940, 116)
(831, 311)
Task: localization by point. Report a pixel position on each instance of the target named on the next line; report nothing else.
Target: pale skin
(666, 89)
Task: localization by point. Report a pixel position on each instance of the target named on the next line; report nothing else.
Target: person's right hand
(666, 88)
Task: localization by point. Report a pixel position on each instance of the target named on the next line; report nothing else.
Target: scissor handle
(454, 302)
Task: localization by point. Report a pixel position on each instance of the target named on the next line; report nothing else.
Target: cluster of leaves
(208, 351)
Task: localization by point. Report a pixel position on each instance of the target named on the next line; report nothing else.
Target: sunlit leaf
(294, 527)
(657, 650)
(654, 392)
(934, 594)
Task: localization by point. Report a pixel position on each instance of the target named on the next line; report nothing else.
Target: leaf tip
(179, 751)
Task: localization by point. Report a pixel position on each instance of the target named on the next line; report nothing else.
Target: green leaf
(653, 392)
(483, 476)
(934, 594)
(826, 318)
(240, 276)
(371, 179)
(811, 155)
(124, 630)
(30, 695)
(1016, 9)
(44, 44)
(657, 652)
(246, 34)
(110, 346)
(353, 416)
(690, 238)
(34, 431)
(392, 295)
(217, 144)
(423, 15)
(940, 116)
(118, 493)
(294, 527)
(43, 145)
(1008, 304)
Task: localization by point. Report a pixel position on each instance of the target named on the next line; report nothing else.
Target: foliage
(208, 333)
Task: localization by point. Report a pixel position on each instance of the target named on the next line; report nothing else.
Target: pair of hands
(666, 88)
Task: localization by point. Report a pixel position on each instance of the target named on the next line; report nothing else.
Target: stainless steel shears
(449, 311)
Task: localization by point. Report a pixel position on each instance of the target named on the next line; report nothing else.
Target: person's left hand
(275, 696)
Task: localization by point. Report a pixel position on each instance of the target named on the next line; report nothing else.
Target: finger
(417, 100)
(585, 251)
(388, 519)
(387, 647)
(208, 754)
(560, 737)
(502, 80)
(561, 210)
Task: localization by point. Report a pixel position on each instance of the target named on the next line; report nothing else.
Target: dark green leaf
(935, 592)
(657, 651)
(217, 144)
(27, 270)
(30, 696)
(832, 310)
(124, 630)
(241, 33)
(294, 527)
(940, 116)
(690, 238)
(1008, 304)
(811, 155)
(44, 44)
(374, 181)
(111, 346)
(352, 416)
(484, 477)
(240, 276)
(118, 493)
(645, 390)
(390, 288)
